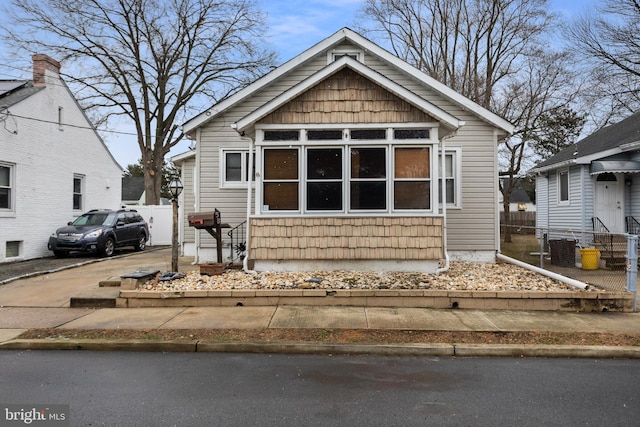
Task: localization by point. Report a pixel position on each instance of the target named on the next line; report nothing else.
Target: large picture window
(350, 171)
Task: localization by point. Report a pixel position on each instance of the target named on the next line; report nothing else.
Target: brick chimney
(42, 62)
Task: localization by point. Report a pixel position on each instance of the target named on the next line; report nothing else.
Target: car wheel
(141, 244)
(109, 247)
(61, 254)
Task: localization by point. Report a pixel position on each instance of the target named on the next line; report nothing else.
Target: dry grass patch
(338, 336)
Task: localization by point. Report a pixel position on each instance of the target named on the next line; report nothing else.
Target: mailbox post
(175, 187)
(210, 222)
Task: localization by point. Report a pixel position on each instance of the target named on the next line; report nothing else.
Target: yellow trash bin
(589, 258)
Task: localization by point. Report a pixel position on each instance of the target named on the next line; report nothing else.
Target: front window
(6, 186)
(281, 180)
(324, 179)
(78, 190)
(411, 185)
(368, 186)
(372, 170)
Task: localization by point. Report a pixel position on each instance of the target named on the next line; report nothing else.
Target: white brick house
(53, 164)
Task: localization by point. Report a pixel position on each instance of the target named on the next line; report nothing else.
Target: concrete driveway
(56, 289)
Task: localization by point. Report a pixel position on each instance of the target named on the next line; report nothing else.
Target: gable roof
(14, 91)
(345, 34)
(613, 139)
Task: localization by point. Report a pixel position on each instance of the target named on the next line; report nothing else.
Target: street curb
(435, 349)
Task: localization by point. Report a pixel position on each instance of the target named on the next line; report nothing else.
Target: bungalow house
(53, 164)
(340, 159)
(593, 186)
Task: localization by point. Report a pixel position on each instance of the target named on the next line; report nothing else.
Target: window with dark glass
(411, 185)
(233, 167)
(324, 179)
(368, 186)
(411, 134)
(281, 135)
(280, 187)
(324, 135)
(372, 134)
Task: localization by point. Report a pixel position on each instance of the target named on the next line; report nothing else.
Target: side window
(563, 187)
(122, 218)
(6, 186)
(235, 168)
(78, 192)
(451, 176)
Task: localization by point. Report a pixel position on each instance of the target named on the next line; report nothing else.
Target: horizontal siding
(571, 215)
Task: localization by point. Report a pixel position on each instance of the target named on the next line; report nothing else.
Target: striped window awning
(614, 166)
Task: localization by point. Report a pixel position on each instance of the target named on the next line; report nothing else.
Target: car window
(91, 219)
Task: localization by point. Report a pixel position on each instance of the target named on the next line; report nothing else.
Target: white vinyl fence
(159, 218)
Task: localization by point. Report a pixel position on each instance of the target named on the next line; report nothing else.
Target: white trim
(370, 48)
(348, 62)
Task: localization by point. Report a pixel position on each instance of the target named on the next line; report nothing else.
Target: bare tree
(469, 45)
(147, 60)
(538, 102)
(489, 51)
(608, 41)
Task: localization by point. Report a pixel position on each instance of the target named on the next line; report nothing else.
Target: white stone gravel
(461, 276)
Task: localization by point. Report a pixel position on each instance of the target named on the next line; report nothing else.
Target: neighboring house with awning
(593, 186)
(341, 158)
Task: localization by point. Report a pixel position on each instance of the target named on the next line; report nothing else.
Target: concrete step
(110, 282)
(101, 297)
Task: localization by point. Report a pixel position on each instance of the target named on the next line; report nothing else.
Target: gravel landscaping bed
(460, 276)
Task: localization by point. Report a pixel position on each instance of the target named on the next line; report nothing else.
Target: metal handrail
(602, 235)
(632, 225)
(238, 242)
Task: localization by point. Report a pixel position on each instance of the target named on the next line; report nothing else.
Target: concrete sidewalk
(43, 302)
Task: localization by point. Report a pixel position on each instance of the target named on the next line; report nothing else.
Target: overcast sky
(293, 26)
